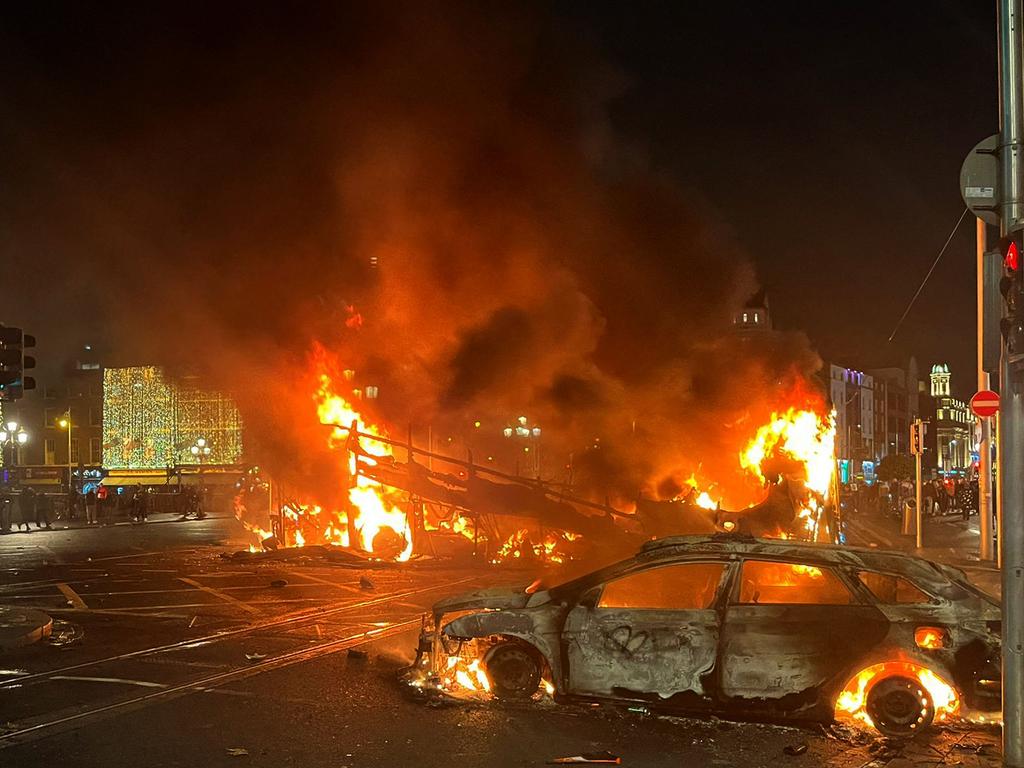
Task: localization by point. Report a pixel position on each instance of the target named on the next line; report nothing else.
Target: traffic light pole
(985, 546)
(1011, 439)
(917, 509)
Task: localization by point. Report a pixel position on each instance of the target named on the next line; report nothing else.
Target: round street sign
(985, 403)
(979, 180)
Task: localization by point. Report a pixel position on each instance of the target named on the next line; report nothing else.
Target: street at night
(476, 383)
(175, 655)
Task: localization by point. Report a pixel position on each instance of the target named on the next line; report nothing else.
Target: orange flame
(376, 507)
(853, 698)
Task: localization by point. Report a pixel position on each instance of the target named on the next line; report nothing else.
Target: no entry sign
(985, 403)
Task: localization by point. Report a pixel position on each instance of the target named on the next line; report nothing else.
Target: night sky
(825, 138)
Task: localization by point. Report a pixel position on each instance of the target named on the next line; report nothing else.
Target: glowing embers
(465, 675)
(930, 638)
(548, 546)
(897, 697)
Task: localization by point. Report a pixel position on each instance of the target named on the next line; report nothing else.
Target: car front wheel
(514, 671)
(899, 706)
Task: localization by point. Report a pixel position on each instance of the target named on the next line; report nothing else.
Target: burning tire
(899, 706)
(513, 669)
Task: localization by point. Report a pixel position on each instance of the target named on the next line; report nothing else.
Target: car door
(792, 630)
(651, 631)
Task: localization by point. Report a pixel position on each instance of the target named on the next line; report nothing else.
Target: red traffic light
(1012, 258)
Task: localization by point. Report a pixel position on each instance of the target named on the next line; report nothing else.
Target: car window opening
(769, 583)
(892, 590)
(688, 586)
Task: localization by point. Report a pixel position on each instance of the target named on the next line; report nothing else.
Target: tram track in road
(289, 621)
(44, 728)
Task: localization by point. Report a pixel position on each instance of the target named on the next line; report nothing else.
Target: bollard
(909, 521)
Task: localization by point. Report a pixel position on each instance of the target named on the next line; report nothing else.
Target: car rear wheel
(514, 671)
(899, 706)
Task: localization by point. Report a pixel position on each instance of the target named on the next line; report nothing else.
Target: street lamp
(523, 430)
(201, 451)
(13, 436)
(64, 422)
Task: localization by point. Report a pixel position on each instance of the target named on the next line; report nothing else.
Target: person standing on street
(90, 507)
(5, 512)
(43, 512)
(26, 508)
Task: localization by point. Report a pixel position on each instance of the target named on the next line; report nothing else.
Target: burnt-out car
(743, 627)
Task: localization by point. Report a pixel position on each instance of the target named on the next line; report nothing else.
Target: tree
(896, 466)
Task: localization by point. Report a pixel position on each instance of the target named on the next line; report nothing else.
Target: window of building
(74, 450)
(756, 318)
(50, 416)
(892, 590)
(767, 583)
(688, 586)
(95, 417)
(95, 451)
(744, 317)
(49, 451)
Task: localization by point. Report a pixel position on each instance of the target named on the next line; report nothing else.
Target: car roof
(917, 569)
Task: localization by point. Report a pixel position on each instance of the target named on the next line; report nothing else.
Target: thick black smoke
(220, 196)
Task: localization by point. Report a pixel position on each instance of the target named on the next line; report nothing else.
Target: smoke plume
(440, 200)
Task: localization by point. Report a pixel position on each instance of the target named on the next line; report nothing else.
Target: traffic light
(14, 362)
(916, 437)
(1011, 286)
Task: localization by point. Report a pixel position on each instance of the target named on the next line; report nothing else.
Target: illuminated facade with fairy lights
(151, 422)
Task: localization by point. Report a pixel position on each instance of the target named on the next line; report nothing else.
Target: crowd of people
(939, 496)
(23, 507)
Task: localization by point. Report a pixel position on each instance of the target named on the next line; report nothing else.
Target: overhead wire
(925, 281)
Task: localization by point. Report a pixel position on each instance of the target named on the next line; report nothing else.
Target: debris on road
(278, 583)
(365, 583)
(355, 653)
(588, 758)
(237, 752)
(255, 656)
(65, 633)
(795, 749)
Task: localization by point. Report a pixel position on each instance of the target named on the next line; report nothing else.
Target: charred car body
(740, 626)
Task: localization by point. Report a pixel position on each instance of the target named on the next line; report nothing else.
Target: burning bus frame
(737, 626)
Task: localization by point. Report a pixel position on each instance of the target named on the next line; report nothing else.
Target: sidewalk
(79, 523)
(22, 626)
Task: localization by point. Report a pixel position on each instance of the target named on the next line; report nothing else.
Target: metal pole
(917, 500)
(984, 453)
(70, 485)
(998, 496)
(1011, 455)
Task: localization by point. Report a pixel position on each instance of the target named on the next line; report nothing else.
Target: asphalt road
(183, 657)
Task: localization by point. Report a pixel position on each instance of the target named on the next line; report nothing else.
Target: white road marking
(73, 597)
(116, 680)
(218, 594)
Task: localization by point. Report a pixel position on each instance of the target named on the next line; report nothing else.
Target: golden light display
(150, 422)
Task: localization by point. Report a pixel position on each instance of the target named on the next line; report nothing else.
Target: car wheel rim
(899, 706)
(513, 669)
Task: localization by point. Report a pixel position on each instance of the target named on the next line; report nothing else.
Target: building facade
(874, 408)
(897, 404)
(853, 398)
(952, 425)
(755, 314)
